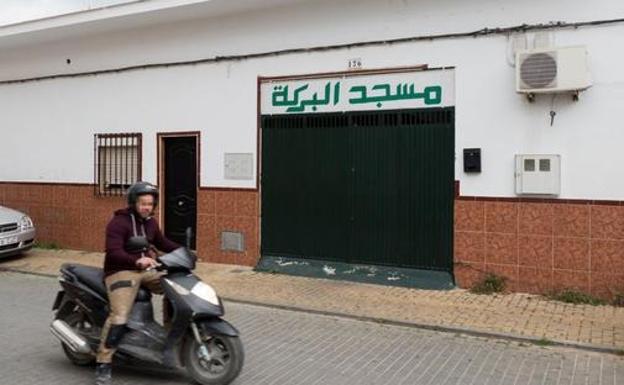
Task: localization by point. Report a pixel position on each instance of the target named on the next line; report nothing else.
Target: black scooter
(208, 347)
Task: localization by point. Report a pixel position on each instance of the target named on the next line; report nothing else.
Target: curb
(414, 325)
(440, 328)
(27, 272)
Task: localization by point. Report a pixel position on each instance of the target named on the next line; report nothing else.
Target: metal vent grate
(539, 70)
(232, 241)
(8, 227)
(8, 247)
(360, 119)
(544, 165)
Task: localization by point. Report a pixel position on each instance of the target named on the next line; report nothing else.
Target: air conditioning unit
(552, 70)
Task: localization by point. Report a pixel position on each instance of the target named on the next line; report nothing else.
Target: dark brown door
(180, 200)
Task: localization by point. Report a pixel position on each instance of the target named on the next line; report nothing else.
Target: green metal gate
(360, 187)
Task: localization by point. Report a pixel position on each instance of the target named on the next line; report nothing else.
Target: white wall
(47, 127)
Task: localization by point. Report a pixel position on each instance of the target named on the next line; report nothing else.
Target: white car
(17, 232)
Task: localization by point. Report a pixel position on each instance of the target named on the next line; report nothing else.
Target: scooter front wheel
(218, 360)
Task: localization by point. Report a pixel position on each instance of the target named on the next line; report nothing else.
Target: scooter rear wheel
(225, 361)
(78, 321)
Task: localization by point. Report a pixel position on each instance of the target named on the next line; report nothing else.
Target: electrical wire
(231, 58)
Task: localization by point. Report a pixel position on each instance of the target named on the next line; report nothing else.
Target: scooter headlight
(206, 293)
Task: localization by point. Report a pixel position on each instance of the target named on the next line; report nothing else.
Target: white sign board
(405, 90)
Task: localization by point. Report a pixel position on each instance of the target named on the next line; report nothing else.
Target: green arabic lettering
(436, 91)
(280, 96)
(430, 95)
(336, 93)
(362, 99)
(315, 101)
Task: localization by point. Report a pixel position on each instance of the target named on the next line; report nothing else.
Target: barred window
(117, 163)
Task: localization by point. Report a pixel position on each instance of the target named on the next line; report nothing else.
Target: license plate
(7, 241)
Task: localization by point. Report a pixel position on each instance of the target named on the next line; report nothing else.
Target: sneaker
(103, 374)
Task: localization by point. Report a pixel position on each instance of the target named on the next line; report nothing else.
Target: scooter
(199, 340)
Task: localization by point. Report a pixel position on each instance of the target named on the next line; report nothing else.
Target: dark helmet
(141, 188)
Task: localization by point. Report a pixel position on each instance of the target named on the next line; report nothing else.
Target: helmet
(141, 188)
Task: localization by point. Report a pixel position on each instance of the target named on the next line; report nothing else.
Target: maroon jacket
(119, 230)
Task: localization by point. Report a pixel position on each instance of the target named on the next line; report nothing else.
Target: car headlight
(26, 223)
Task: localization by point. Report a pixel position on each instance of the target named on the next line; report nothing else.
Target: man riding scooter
(127, 270)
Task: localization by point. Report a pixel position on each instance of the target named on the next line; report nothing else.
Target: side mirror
(189, 236)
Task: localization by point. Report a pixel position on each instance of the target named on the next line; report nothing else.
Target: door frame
(160, 179)
(260, 80)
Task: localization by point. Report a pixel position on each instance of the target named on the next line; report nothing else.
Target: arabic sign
(422, 89)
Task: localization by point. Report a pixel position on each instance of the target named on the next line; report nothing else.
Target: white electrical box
(239, 166)
(538, 174)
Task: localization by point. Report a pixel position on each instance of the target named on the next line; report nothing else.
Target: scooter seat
(93, 277)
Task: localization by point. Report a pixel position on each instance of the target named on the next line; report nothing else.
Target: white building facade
(192, 79)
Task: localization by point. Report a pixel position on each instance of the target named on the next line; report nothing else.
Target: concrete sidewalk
(515, 316)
